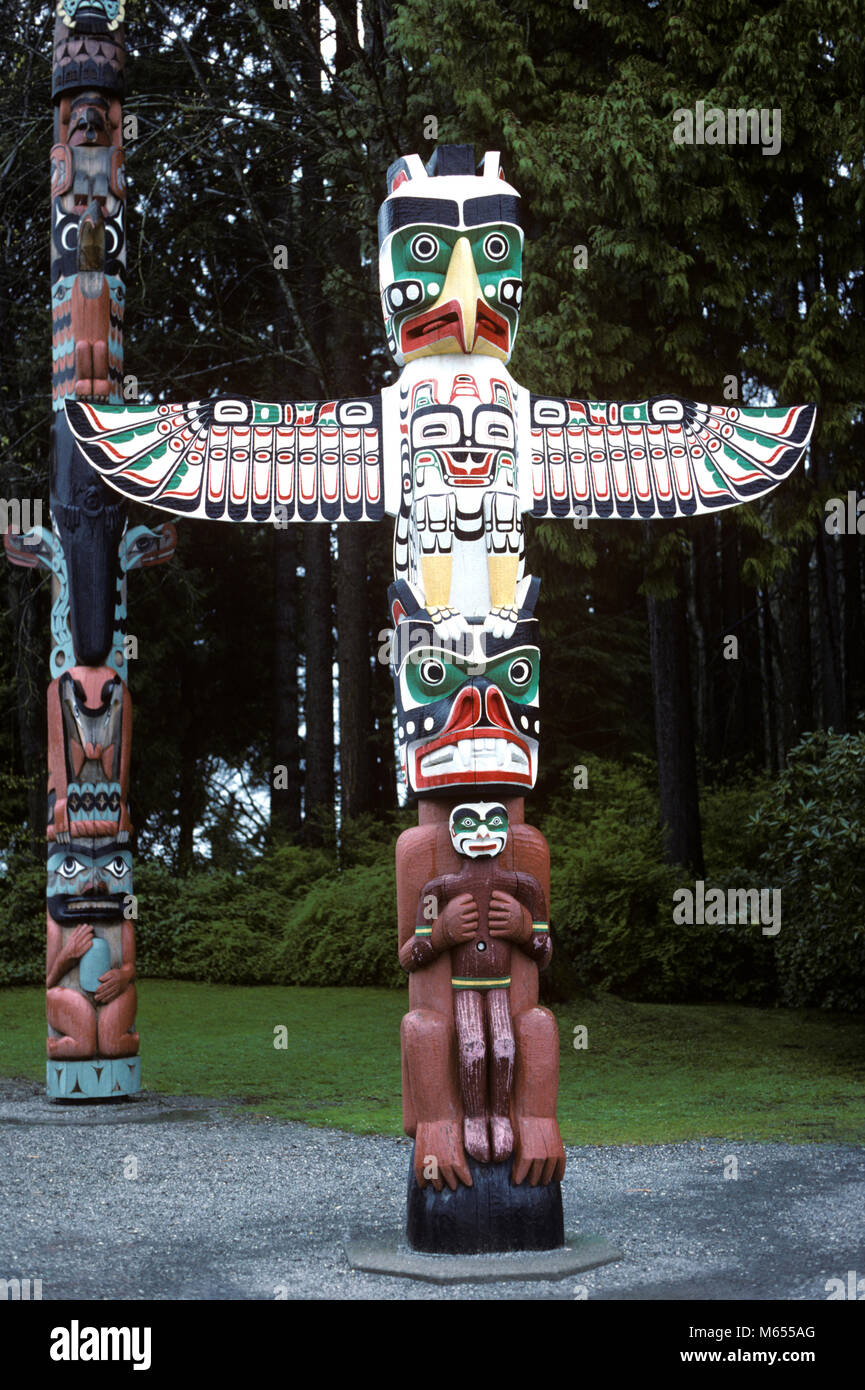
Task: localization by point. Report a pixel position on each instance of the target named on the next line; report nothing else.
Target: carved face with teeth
(479, 828)
(468, 713)
(450, 258)
(88, 881)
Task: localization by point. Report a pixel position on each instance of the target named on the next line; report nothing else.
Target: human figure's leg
(501, 1035)
(469, 1016)
(74, 1018)
(115, 1026)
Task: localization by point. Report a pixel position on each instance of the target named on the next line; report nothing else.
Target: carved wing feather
(234, 459)
(664, 457)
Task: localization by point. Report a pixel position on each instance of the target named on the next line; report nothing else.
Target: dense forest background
(263, 136)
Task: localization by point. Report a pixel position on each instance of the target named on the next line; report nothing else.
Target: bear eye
(431, 671)
(520, 671)
(425, 247)
(496, 247)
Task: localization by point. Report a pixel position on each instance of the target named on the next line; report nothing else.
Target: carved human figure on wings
(455, 449)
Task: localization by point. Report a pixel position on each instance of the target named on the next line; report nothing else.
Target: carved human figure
(477, 914)
(88, 246)
(91, 998)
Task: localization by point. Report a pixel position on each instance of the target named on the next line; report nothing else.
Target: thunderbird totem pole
(457, 452)
(91, 1001)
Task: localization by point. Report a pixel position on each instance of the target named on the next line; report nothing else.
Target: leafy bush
(291, 919)
(812, 825)
(612, 896)
(22, 922)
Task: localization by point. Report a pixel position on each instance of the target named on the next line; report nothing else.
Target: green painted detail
(502, 983)
(430, 677)
(430, 267)
(426, 268)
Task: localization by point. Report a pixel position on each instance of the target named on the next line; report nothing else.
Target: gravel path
(227, 1207)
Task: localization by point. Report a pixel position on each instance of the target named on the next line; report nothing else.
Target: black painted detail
(491, 1216)
(90, 522)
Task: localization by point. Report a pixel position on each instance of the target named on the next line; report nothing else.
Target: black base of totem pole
(492, 1216)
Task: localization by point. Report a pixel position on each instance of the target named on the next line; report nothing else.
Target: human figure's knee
(536, 1026)
(473, 1048)
(421, 1024)
(71, 1013)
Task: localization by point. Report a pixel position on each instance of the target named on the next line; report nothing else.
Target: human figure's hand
(457, 924)
(506, 918)
(78, 943)
(111, 985)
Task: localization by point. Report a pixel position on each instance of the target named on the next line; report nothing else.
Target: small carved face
(479, 828)
(89, 121)
(88, 881)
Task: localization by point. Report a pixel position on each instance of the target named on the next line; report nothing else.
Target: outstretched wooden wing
(234, 459)
(664, 457)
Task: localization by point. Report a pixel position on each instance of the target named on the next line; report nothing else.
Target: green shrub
(22, 922)
(291, 919)
(612, 896)
(343, 931)
(812, 825)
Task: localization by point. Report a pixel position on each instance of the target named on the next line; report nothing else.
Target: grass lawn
(652, 1073)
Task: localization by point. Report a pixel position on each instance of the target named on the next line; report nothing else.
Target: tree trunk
(318, 711)
(352, 610)
(188, 772)
(854, 631)
(831, 673)
(30, 700)
(285, 786)
(674, 730)
(794, 611)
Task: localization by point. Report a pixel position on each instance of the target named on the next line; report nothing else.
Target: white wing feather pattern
(234, 459)
(665, 457)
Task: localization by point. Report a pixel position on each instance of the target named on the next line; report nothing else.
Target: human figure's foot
(502, 1136)
(439, 1155)
(476, 1136)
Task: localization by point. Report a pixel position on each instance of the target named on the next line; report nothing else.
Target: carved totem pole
(91, 1000)
(457, 451)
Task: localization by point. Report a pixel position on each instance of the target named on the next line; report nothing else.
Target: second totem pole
(92, 1042)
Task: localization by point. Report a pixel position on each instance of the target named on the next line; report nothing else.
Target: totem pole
(91, 997)
(457, 451)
